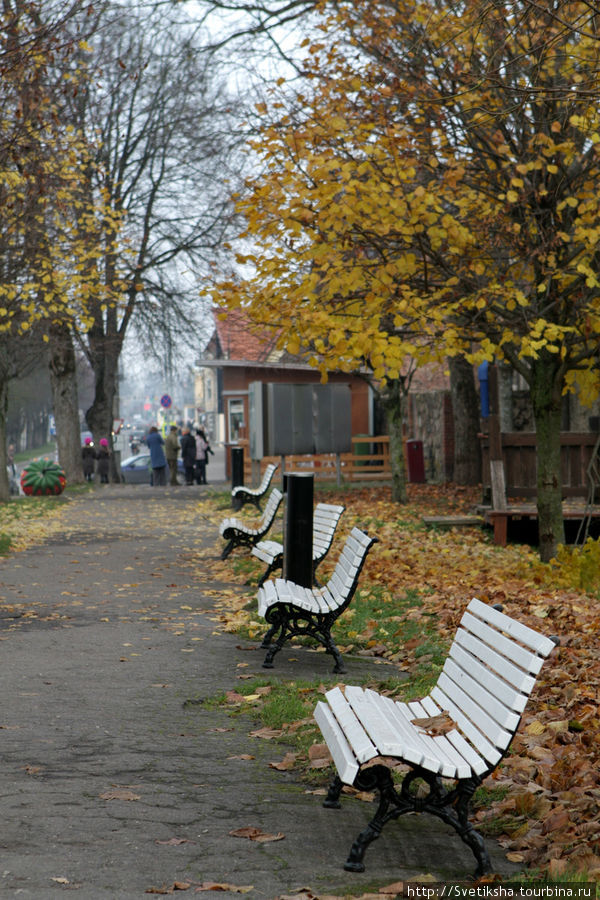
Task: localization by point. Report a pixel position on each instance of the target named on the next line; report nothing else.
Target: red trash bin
(415, 461)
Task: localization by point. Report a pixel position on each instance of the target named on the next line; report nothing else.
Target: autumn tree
(159, 118)
(39, 175)
(414, 203)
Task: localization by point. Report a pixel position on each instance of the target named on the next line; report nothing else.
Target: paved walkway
(113, 783)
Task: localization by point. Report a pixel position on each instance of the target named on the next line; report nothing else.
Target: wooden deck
(499, 518)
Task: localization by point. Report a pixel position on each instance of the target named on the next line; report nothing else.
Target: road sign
(165, 401)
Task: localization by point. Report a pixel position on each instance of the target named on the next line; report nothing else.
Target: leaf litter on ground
(554, 763)
(547, 813)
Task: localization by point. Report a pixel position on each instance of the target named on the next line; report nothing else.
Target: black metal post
(298, 537)
(237, 472)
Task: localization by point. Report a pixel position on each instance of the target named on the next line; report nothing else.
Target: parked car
(136, 469)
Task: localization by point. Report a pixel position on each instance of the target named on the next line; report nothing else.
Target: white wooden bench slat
(262, 488)
(455, 765)
(501, 714)
(499, 688)
(516, 654)
(321, 543)
(499, 664)
(533, 639)
(350, 559)
(346, 575)
(322, 605)
(391, 740)
(343, 757)
(266, 550)
(332, 507)
(275, 498)
(325, 521)
(325, 515)
(268, 595)
(363, 747)
(484, 707)
(478, 763)
(461, 768)
(329, 599)
(475, 736)
(322, 522)
(495, 733)
(357, 543)
(336, 585)
(283, 590)
(428, 707)
(303, 602)
(446, 763)
(312, 599)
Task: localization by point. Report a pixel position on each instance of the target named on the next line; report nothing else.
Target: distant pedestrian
(188, 454)
(103, 461)
(158, 460)
(88, 458)
(201, 456)
(171, 451)
(10, 459)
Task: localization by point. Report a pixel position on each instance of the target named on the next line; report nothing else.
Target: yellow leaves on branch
(401, 215)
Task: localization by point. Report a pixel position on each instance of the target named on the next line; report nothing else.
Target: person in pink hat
(103, 461)
(88, 458)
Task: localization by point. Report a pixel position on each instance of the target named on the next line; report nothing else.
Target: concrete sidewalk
(113, 783)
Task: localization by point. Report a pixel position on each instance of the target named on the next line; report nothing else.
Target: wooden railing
(368, 461)
(520, 465)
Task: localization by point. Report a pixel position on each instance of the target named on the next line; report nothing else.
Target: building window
(236, 419)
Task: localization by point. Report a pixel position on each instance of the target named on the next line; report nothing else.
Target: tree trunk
(4, 485)
(393, 403)
(505, 394)
(465, 409)
(63, 380)
(100, 415)
(547, 408)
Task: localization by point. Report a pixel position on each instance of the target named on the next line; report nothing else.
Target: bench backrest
(488, 676)
(325, 520)
(270, 511)
(266, 479)
(344, 577)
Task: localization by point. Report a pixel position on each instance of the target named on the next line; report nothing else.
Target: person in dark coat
(158, 460)
(88, 458)
(103, 458)
(188, 454)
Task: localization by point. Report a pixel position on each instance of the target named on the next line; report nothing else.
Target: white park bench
(242, 494)
(293, 610)
(325, 520)
(241, 534)
(483, 689)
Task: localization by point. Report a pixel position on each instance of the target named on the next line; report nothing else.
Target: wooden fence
(520, 470)
(368, 461)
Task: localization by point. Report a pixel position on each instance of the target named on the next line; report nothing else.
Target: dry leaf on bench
(435, 726)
